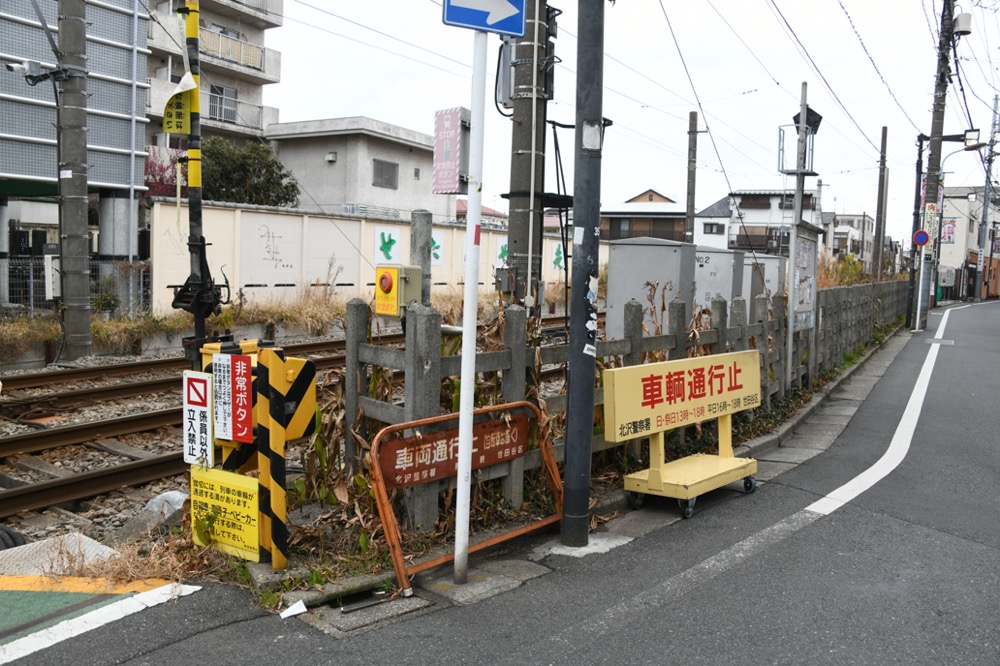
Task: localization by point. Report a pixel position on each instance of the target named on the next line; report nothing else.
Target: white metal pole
(470, 309)
(920, 286)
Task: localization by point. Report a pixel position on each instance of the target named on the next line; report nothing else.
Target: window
(620, 228)
(223, 30)
(755, 201)
(385, 174)
(649, 197)
(222, 103)
(416, 174)
(714, 228)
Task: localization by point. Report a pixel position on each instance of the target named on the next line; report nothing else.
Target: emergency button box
(395, 287)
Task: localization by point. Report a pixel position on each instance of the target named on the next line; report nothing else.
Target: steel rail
(94, 394)
(37, 379)
(80, 433)
(89, 484)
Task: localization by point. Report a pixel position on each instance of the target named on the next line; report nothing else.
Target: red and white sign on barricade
(233, 383)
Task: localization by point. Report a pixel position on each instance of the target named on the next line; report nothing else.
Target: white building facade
(360, 166)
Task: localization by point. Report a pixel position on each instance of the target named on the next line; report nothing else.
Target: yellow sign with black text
(225, 512)
(655, 397)
(177, 114)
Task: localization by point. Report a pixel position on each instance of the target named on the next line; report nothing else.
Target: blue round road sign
(921, 238)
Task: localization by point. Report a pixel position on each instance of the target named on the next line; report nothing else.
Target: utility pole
(71, 103)
(880, 207)
(583, 295)
(987, 196)
(692, 164)
(800, 185)
(527, 162)
(937, 130)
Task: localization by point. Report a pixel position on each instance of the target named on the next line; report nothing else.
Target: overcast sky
(395, 61)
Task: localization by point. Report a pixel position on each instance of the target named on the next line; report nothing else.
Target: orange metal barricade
(391, 526)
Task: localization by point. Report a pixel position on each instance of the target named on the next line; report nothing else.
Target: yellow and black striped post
(286, 407)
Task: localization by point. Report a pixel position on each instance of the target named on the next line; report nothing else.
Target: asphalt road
(907, 571)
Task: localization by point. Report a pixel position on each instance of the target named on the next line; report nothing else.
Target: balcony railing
(233, 50)
(215, 108)
(228, 110)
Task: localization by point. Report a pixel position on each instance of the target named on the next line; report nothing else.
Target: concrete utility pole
(937, 128)
(583, 295)
(880, 207)
(527, 162)
(800, 186)
(72, 131)
(692, 164)
(987, 196)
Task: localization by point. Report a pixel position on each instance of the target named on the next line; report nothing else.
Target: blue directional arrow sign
(505, 17)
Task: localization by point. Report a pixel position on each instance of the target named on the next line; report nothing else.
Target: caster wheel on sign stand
(750, 484)
(636, 500)
(686, 506)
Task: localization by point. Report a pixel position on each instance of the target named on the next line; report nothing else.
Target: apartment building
(761, 220)
(235, 67)
(856, 235)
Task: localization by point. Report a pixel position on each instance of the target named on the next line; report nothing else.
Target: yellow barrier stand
(650, 400)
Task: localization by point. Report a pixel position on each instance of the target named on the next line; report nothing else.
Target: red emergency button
(385, 282)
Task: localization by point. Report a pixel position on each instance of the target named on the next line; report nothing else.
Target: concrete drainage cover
(330, 619)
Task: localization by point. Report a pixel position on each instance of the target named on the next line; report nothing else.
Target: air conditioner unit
(734, 242)
(772, 244)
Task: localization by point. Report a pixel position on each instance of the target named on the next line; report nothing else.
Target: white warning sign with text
(199, 445)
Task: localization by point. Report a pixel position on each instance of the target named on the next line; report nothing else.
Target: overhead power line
(877, 71)
(819, 73)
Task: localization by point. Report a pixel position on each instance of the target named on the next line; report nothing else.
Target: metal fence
(116, 287)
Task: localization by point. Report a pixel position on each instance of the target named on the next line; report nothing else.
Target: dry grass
(124, 335)
(17, 336)
(317, 309)
(174, 557)
(450, 302)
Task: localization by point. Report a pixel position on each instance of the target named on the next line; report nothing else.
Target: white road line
(84, 623)
(900, 444)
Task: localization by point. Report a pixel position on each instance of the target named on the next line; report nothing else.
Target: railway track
(143, 467)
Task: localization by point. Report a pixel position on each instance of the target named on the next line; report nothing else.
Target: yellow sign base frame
(694, 475)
